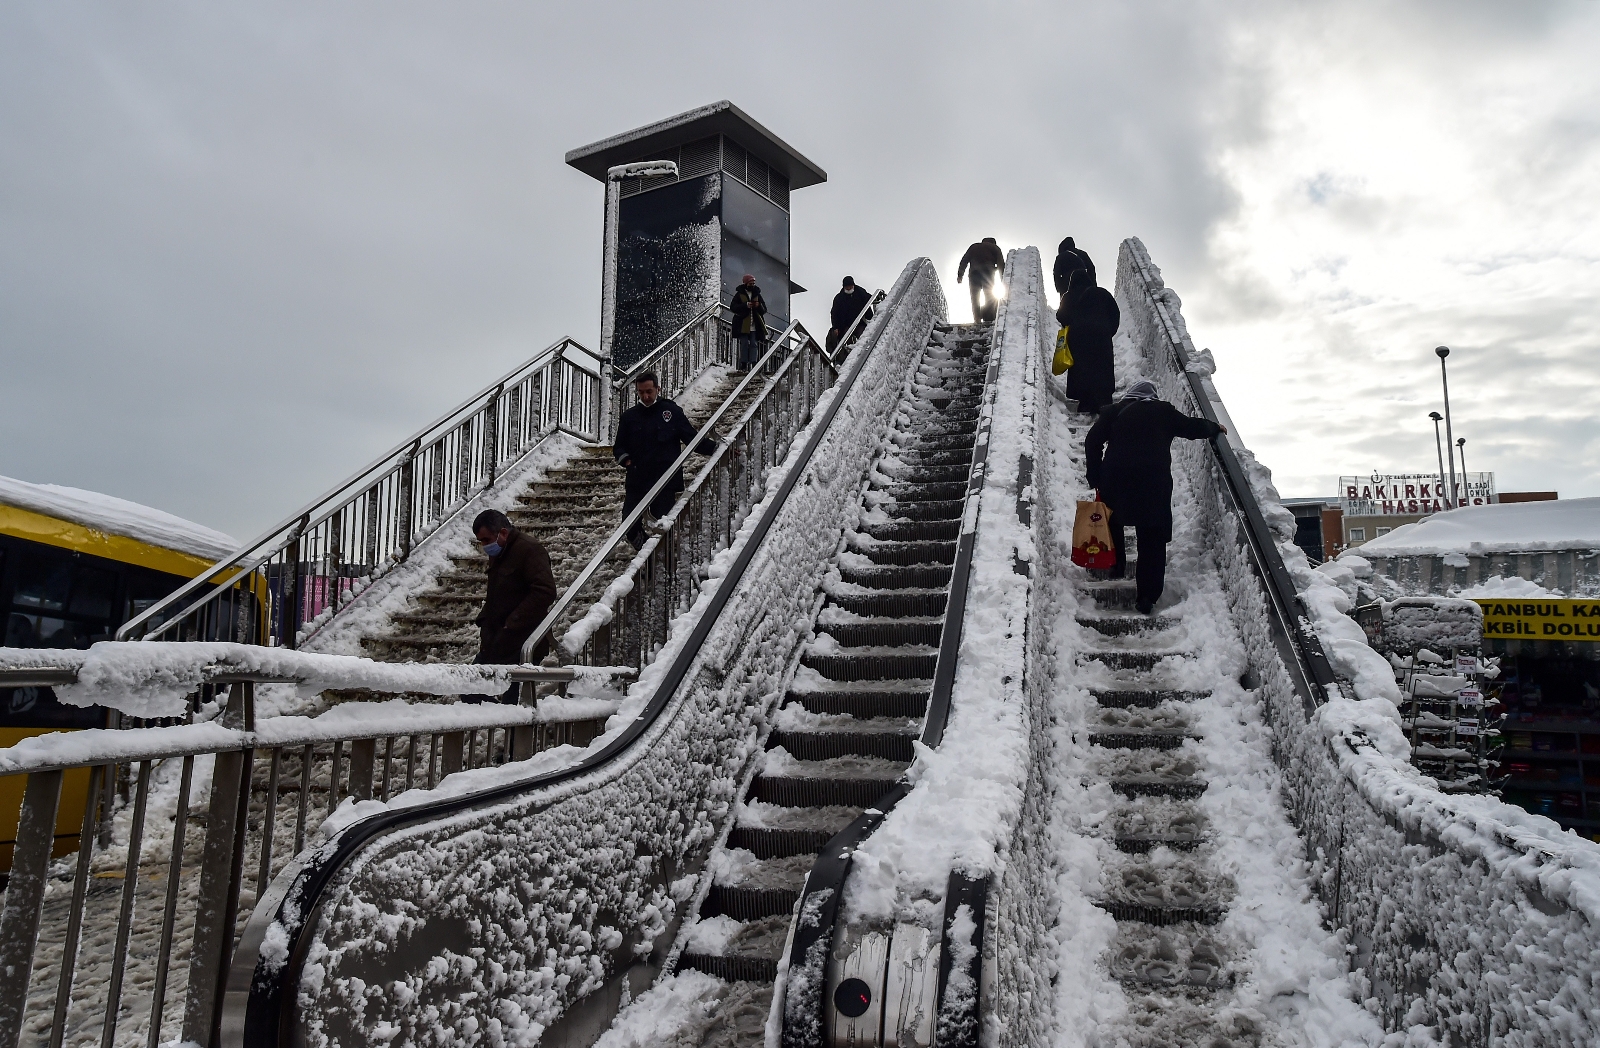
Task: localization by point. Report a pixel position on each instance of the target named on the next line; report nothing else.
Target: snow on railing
(605, 849)
(296, 575)
(1465, 915)
(680, 358)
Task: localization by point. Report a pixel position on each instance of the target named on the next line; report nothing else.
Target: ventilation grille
(704, 157)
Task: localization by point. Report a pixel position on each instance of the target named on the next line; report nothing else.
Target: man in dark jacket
(987, 261)
(1070, 259)
(1091, 320)
(749, 322)
(1135, 478)
(520, 591)
(849, 303)
(650, 436)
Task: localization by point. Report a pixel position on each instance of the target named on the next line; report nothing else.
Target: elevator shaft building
(684, 242)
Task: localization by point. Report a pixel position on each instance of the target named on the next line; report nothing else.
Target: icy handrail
(795, 333)
(623, 379)
(364, 485)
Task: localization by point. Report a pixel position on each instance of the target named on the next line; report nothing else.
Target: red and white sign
(1408, 494)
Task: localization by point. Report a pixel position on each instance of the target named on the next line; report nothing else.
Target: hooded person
(1069, 259)
(749, 322)
(987, 261)
(1128, 457)
(1091, 318)
(849, 303)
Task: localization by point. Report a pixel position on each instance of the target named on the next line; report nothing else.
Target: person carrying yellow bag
(1063, 357)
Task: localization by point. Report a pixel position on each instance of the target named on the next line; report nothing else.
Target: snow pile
(1521, 527)
(1465, 916)
(1506, 588)
(116, 516)
(530, 903)
(1441, 623)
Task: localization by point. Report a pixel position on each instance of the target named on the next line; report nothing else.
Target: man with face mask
(650, 437)
(520, 590)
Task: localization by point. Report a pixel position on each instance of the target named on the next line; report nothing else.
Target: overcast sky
(246, 247)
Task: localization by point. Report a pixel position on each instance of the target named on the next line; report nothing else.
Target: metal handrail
(256, 993)
(861, 320)
(234, 569)
(620, 533)
(645, 363)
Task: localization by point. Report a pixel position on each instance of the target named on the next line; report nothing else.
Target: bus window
(43, 579)
(94, 593)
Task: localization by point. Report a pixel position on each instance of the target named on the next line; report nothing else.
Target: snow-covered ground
(1522, 527)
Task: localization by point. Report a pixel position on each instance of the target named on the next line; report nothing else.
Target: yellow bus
(74, 566)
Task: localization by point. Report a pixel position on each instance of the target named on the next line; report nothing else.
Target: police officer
(650, 436)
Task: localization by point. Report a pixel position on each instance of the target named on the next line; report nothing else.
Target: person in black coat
(749, 322)
(1134, 476)
(1091, 321)
(1070, 259)
(650, 436)
(987, 261)
(849, 303)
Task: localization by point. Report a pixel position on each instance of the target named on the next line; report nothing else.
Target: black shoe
(1145, 607)
(1113, 573)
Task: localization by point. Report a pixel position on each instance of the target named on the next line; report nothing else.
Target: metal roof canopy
(717, 118)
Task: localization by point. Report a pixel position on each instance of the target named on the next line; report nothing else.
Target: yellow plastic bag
(1063, 358)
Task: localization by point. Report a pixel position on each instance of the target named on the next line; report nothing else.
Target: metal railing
(296, 575)
(88, 943)
(629, 623)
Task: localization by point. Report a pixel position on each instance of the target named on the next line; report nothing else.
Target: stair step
(1178, 790)
(1141, 845)
(961, 457)
(768, 843)
(928, 511)
(925, 492)
(817, 746)
(926, 601)
(871, 667)
(886, 631)
(750, 904)
(921, 440)
(1162, 915)
(1123, 625)
(1140, 740)
(909, 552)
(1112, 594)
(1124, 698)
(731, 969)
(952, 474)
(913, 530)
(794, 792)
(910, 702)
(897, 577)
(1133, 660)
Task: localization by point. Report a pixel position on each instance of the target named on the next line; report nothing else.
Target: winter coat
(749, 311)
(1134, 474)
(520, 591)
(847, 305)
(1070, 259)
(649, 440)
(1093, 320)
(986, 261)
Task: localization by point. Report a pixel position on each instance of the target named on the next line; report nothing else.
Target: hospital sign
(1410, 494)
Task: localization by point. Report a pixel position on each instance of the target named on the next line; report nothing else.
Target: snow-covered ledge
(1466, 916)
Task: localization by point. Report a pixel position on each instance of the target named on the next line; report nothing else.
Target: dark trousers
(488, 657)
(1150, 575)
(982, 310)
(750, 349)
(633, 493)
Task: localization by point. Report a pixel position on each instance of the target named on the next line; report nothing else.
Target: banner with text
(1407, 494)
(1553, 619)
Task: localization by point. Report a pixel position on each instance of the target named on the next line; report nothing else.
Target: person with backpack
(987, 262)
(749, 322)
(1091, 318)
(1128, 457)
(1069, 259)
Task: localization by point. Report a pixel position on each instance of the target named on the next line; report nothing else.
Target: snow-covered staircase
(572, 509)
(845, 732)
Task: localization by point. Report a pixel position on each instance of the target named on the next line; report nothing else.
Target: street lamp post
(608, 273)
(1449, 434)
(1461, 453)
(1437, 446)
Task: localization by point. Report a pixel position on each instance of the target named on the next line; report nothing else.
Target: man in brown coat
(520, 591)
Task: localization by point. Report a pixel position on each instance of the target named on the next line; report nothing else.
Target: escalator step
(951, 440)
(952, 474)
(961, 457)
(1141, 845)
(894, 576)
(750, 904)
(906, 553)
(818, 746)
(949, 510)
(889, 631)
(1186, 791)
(891, 603)
(1124, 625)
(767, 843)
(1140, 740)
(865, 703)
(731, 969)
(1132, 660)
(1162, 915)
(1122, 699)
(1113, 594)
(913, 530)
(871, 667)
(925, 492)
(815, 793)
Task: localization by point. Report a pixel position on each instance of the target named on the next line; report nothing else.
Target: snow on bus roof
(1520, 527)
(116, 516)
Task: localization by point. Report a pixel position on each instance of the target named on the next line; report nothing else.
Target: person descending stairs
(844, 733)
